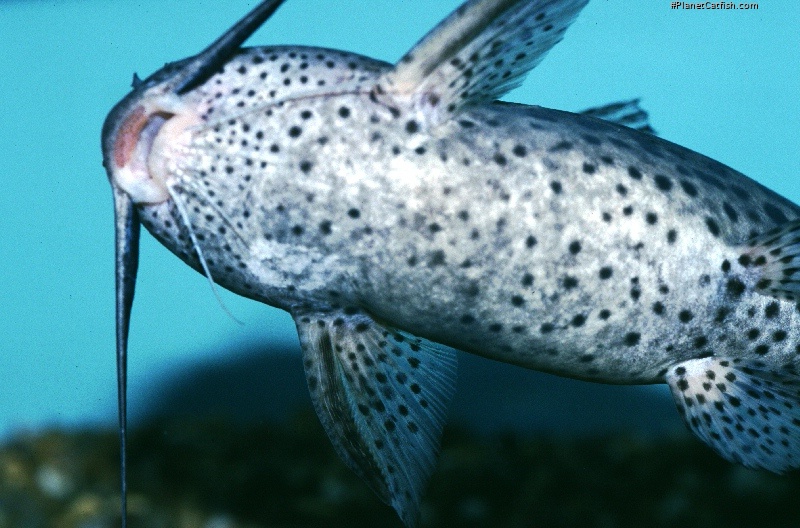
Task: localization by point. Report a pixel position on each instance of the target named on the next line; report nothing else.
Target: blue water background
(724, 83)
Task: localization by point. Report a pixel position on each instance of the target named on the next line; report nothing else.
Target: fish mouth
(140, 144)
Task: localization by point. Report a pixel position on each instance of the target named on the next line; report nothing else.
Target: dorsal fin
(475, 55)
(627, 113)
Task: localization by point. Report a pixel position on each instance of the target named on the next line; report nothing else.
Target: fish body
(399, 212)
(529, 235)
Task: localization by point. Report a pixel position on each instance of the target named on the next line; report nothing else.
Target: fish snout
(140, 138)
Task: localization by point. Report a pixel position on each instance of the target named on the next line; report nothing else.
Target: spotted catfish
(399, 212)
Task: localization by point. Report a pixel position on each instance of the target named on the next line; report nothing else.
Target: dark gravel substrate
(216, 475)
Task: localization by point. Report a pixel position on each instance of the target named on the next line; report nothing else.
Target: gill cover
(123, 129)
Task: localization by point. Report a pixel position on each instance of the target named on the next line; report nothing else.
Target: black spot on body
(634, 173)
(672, 235)
(570, 282)
(635, 293)
(730, 212)
(772, 310)
(561, 146)
(775, 214)
(632, 338)
(689, 188)
(663, 183)
(437, 258)
(735, 287)
(713, 228)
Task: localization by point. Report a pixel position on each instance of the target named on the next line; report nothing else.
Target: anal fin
(381, 396)
(742, 409)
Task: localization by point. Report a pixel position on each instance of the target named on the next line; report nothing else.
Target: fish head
(161, 107)
(139, 127)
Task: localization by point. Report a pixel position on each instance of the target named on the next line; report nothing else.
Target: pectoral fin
(477, 54)
(381, 395)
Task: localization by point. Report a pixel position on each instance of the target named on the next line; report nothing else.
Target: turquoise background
(724, 83)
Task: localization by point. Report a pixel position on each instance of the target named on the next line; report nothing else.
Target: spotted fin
(746, 412)
(478, 53)
(381, 395)
(627, 113)
(775, 258)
